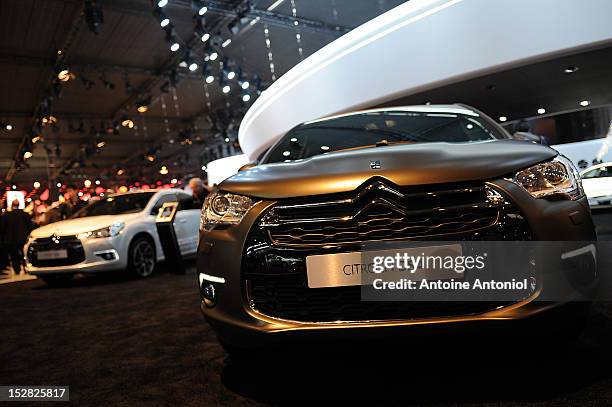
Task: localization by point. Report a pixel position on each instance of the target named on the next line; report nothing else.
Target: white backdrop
(420, 45)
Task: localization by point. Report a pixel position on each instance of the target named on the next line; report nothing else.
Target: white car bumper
(97, 255)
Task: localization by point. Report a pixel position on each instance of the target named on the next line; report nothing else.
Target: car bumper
(101, 255)
(220, 261)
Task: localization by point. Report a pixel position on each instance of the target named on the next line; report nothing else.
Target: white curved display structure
(421, 45)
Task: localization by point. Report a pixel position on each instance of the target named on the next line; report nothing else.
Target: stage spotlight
(127, 122)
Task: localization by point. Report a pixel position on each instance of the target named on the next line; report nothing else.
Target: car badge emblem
(375, 165)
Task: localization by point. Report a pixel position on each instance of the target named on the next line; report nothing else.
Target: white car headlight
(109, 231)
(221, 208)
(555, 177)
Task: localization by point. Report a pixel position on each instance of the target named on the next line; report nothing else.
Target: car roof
(594, 167)
(158, 191)
(456, 109)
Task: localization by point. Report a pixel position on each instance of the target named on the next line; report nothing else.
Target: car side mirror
(248, 166)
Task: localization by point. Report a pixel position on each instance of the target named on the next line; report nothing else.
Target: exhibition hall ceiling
(129, 60)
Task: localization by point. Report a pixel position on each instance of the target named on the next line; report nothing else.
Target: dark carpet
(120, 341)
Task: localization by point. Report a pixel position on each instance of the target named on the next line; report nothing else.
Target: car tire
(56, 280)
(141, 257)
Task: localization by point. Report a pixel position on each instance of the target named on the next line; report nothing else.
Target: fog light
(209, 294)
(107, 254)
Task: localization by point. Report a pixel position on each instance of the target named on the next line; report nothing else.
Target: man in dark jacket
(4, 260)
(72, 204)
(17, 228)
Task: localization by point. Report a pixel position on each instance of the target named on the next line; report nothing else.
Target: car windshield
(380, 128)
(116, 205)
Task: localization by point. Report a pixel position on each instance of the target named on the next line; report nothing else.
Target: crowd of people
(16, 224)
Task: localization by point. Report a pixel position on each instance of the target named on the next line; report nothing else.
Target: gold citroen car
(335, 185)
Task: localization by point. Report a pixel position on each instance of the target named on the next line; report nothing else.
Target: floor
(120, 341)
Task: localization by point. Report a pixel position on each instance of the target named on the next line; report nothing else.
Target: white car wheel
(142, 257)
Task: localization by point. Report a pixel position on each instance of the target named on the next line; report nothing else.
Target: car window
(116, 205)
(602, 172)
(369, 129)
(161, 201)
(185, 202)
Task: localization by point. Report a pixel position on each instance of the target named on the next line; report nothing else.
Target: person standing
(17, 228)
(198, 192)
(72, 203)
(4, 260)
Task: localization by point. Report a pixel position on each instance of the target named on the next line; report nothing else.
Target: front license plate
(346, 269)
(53, 254)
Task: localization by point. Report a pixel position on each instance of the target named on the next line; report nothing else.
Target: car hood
(407, 164)
(71, 227)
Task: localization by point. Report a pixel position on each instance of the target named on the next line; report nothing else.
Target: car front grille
(274, 266)
(72, 245)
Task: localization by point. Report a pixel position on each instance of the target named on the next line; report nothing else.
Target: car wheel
(142, 257)
(56, 280)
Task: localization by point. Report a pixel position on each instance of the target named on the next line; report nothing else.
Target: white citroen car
(115, 233)
(597, 184)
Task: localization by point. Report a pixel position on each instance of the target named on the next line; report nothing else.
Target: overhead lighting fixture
(246, 97)
(9, 127)
(150, 158)
(27, 155)
(175, 46)
(36, 185)
(503, 118)
(100, 143)
(226, 89)
(65, 75)
(275, 4)
(193, 66)
(585, 103)
(245, 85)
(205, 37)
(97, 182)
(120, 171)
(231, 75)
(571, 69)
(227, 140)
(214, 56)
(36, 139)
(202, 10)
(163, 170)
(541, 110)
(164, 21)
(127, 122)
(87, 183)
(162, 3)
(226, 42)
(204, 168)
(59, 185)
(210, 79)
(173, 181)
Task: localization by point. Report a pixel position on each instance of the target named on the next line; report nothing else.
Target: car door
(187, 224)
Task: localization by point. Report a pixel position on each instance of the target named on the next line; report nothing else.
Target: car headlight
(555, 177)
(109, 231)
(221, 208)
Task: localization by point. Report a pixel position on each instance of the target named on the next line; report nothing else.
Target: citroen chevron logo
(375, 165)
